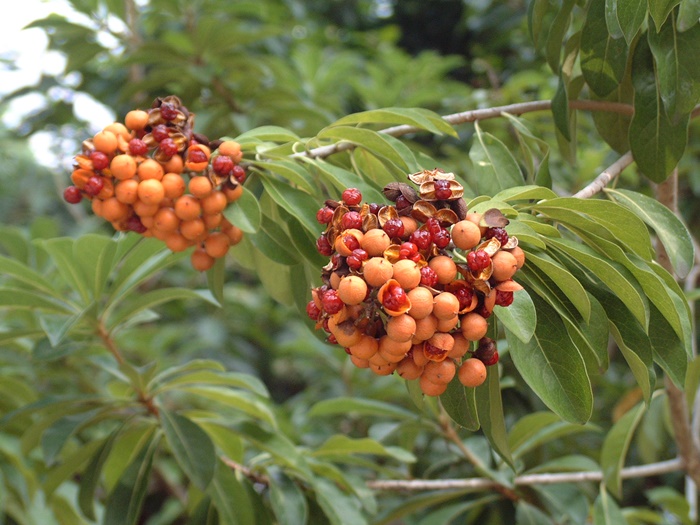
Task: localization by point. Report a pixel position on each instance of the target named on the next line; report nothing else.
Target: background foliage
(134, 390)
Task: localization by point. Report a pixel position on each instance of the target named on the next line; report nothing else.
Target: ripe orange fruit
(408, 369)
(421, 302)
(193, 229)
(234, 233)
(201, 260)
(401, 328)
(466, 234)
(447, 325)
(383, 370)
(118, 130)
(461, 346)
(352, 290)
(425, 328)
(519, 255)
(105, 141)
(232, 194)
(444, 267)
(165, 220)
(474, 326)
(409, 226)
(437, 347)
(375, 241)
(232, 149)
(358, 362)
(365, 348)
(151, 191)
(200, 186)
(214, 203)
(136, 119)
(143, 209)
(431, 389)
(504, 265)
(407, 273)
(150, 169)
(126, 191)
(176, 242)
(173, 184)
(187, 207)
(123, 166)
(212, 221)
(217, 244)
(440, 372)
(445, 305)
(113, 210)
(174, 164)
(476, 219)
(472, 372)
(377, 271)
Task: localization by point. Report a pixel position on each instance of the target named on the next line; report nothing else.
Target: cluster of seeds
(409, 287)
(153, 175)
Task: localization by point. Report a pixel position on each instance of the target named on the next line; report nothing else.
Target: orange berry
(431, 389)
(421, 302)
(147, 221)
(375, 241)
(340, 241)
(113, 210)
(80, 176)
(232, 149)
(217, 244)
(408, 369)
(441, 372)
(447, 325)
(118, 130)
(96, 206)
(200, 186)
(466, 234)
(445, 305)
(214, 203)
(461, 346)
(174, 164)
(359, 363)
(201, 260)
(444, 267)
(377, 271)
(407, 273)
(126, 191)
(105, 141)
(425, 328)
(401, 328)
(165, 220)
(409, 226)
(107, 190)
(418, 356)
(150, 169)
(123, 166)
(472, 372)
(193, 229)
(176, 242)
(352, 290)
(519, 255)
(174, 185)
(151, 191)
(212, 221)
(143, 209)
(365, 348)
(476, 219)
(235, 234)
(504, 265)
(474, 326)
(136, 119)
(383, 370)
(437, 347)
(232, 194)
(345, 332)
(187, 207)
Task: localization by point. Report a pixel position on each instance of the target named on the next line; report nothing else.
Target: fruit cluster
(153, 175)
(409, 286)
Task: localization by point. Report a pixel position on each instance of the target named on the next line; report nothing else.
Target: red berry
(324, 215)
(72, 195)
(394, 228)
(168, 147)
(332, 304)
(352, 196)
(351, 242)
(138, 147)
(504, 298)
(239, 173)
(351, 219)
(395, 298)
(422, 239)
(407, 250)
(465, 296)
(498, 233)
(478, 260)
(402, 203)
(428, 276)
(356, 258)
(323, 246)
(441, 238)
(168, 111)
(160, 132)
(313, 311)
(196, 156)
(94, 185)
(99, 160)
(222, 165)
(433, 225)
(442, 189)
(487, 351)
(134, 224)
(374, 208)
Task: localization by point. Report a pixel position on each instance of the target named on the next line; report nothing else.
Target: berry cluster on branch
(155, 176)
(409, 286)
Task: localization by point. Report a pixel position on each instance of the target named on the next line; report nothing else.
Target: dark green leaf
(489, 407)
(245, 212)
(527, 514)
(615, 447)
(657, 139)
(411, 505)
(605, 510)
(460, 404)
(191, 446)
(534, 430)
(15, 269)
(55, 437)
(366, 407)
(520, 318)
(659, 11)
(341, 178)
(340, 445)
(96, 256)
(561, 113)
(420, 118)
(571, 463)
(288, 501)
(340, 508)
(90, 478)
(553, 367)
(688, 14)
(239, 400)
(61, 252)
(603, 58)
(376, 143)
(268, 133)
(230, 496)
(296, 175)
(295, 202)
(495, 169)
(216, 278)
(670, 352)
(631, 15)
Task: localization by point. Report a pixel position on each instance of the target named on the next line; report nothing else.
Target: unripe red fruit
(352, 196)
(313, 311)
(323, 246)
(99, 160)
(504, 298)
(422, 239)
(442, 189)
(395, 299)
(487, 352)
(478, 260)
(160, 132)
(324, 215)
(239, 173)
(94, 185)
(168, 111)
(394, 228)
(498, 233)
(428, 277)
(356, 258)
(138, 147)
(72, 195)
(331, 302)
(351, 220)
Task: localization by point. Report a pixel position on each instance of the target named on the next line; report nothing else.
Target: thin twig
(248, 473)
(602, 180)
(653, 469)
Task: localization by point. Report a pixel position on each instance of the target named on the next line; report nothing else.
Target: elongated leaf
(209, 377)
(659, 11)
(288, 501)
(96, 256)
(670, 352)
(413, 504)
(239, 400)
(341, 178)
(91, 476)
(245, 212)
(61, 252)
(605, 510)
(527, 514)
(72, 463)
(460, 404)
(615, 447)
(668, 227)
(339, 507)
(126, 499)
(230, 497)
(552, 366)
(191, 446)
(603, 58)
(489, 407)
(216, 279)
(420, 118)
(268, 133)
(631, 15)
(539, 428)
(56, 436)
(570, 463)
(495, 169)
(29, 300)
(339, 445)
(376, 143)
(296, 175)
(520, 318)
(154, 298)
(365, 407)
(23, 273)
(527, 192)
(297, 203)
(657, 139)
(688, 14)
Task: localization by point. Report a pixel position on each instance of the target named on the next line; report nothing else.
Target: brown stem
(667, 194)
(109, 343)
(248, 473)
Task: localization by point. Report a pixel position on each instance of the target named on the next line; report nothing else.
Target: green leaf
(670, 352)
(527, 514)
(657, 140)
(242, 401)
(364, 407)
(659, 11)
(124, 503)
(191, 446)
(216, 276)
(340, 445)
(536, 429)
(55, 437)
(631, 15)
(460, 404)
(90, 478)
(412, 505)
(61, 252)
(96, 256)
(268, 133)
(525, 233)
(603, 58)
(71, 464)
(615, 447)
(288, 501)
(339, 507)
(341, 179)
(688, 14)
(230, 496)
(562, 115)
(489, 407)
(494, 168)
(417, 117)
(668, 227)
(376, 143)
(558, 377)
(245, 212)
(570, 463)
(154, 298)
(526, 192)
(15, 269)
(296, 176)
(297, 203)
(675, 56)
(204, 376)
(605, 510)
(17, 298)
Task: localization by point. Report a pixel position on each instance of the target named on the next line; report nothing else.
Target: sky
(26, 50)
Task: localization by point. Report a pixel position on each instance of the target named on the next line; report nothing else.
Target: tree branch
(602, 180)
